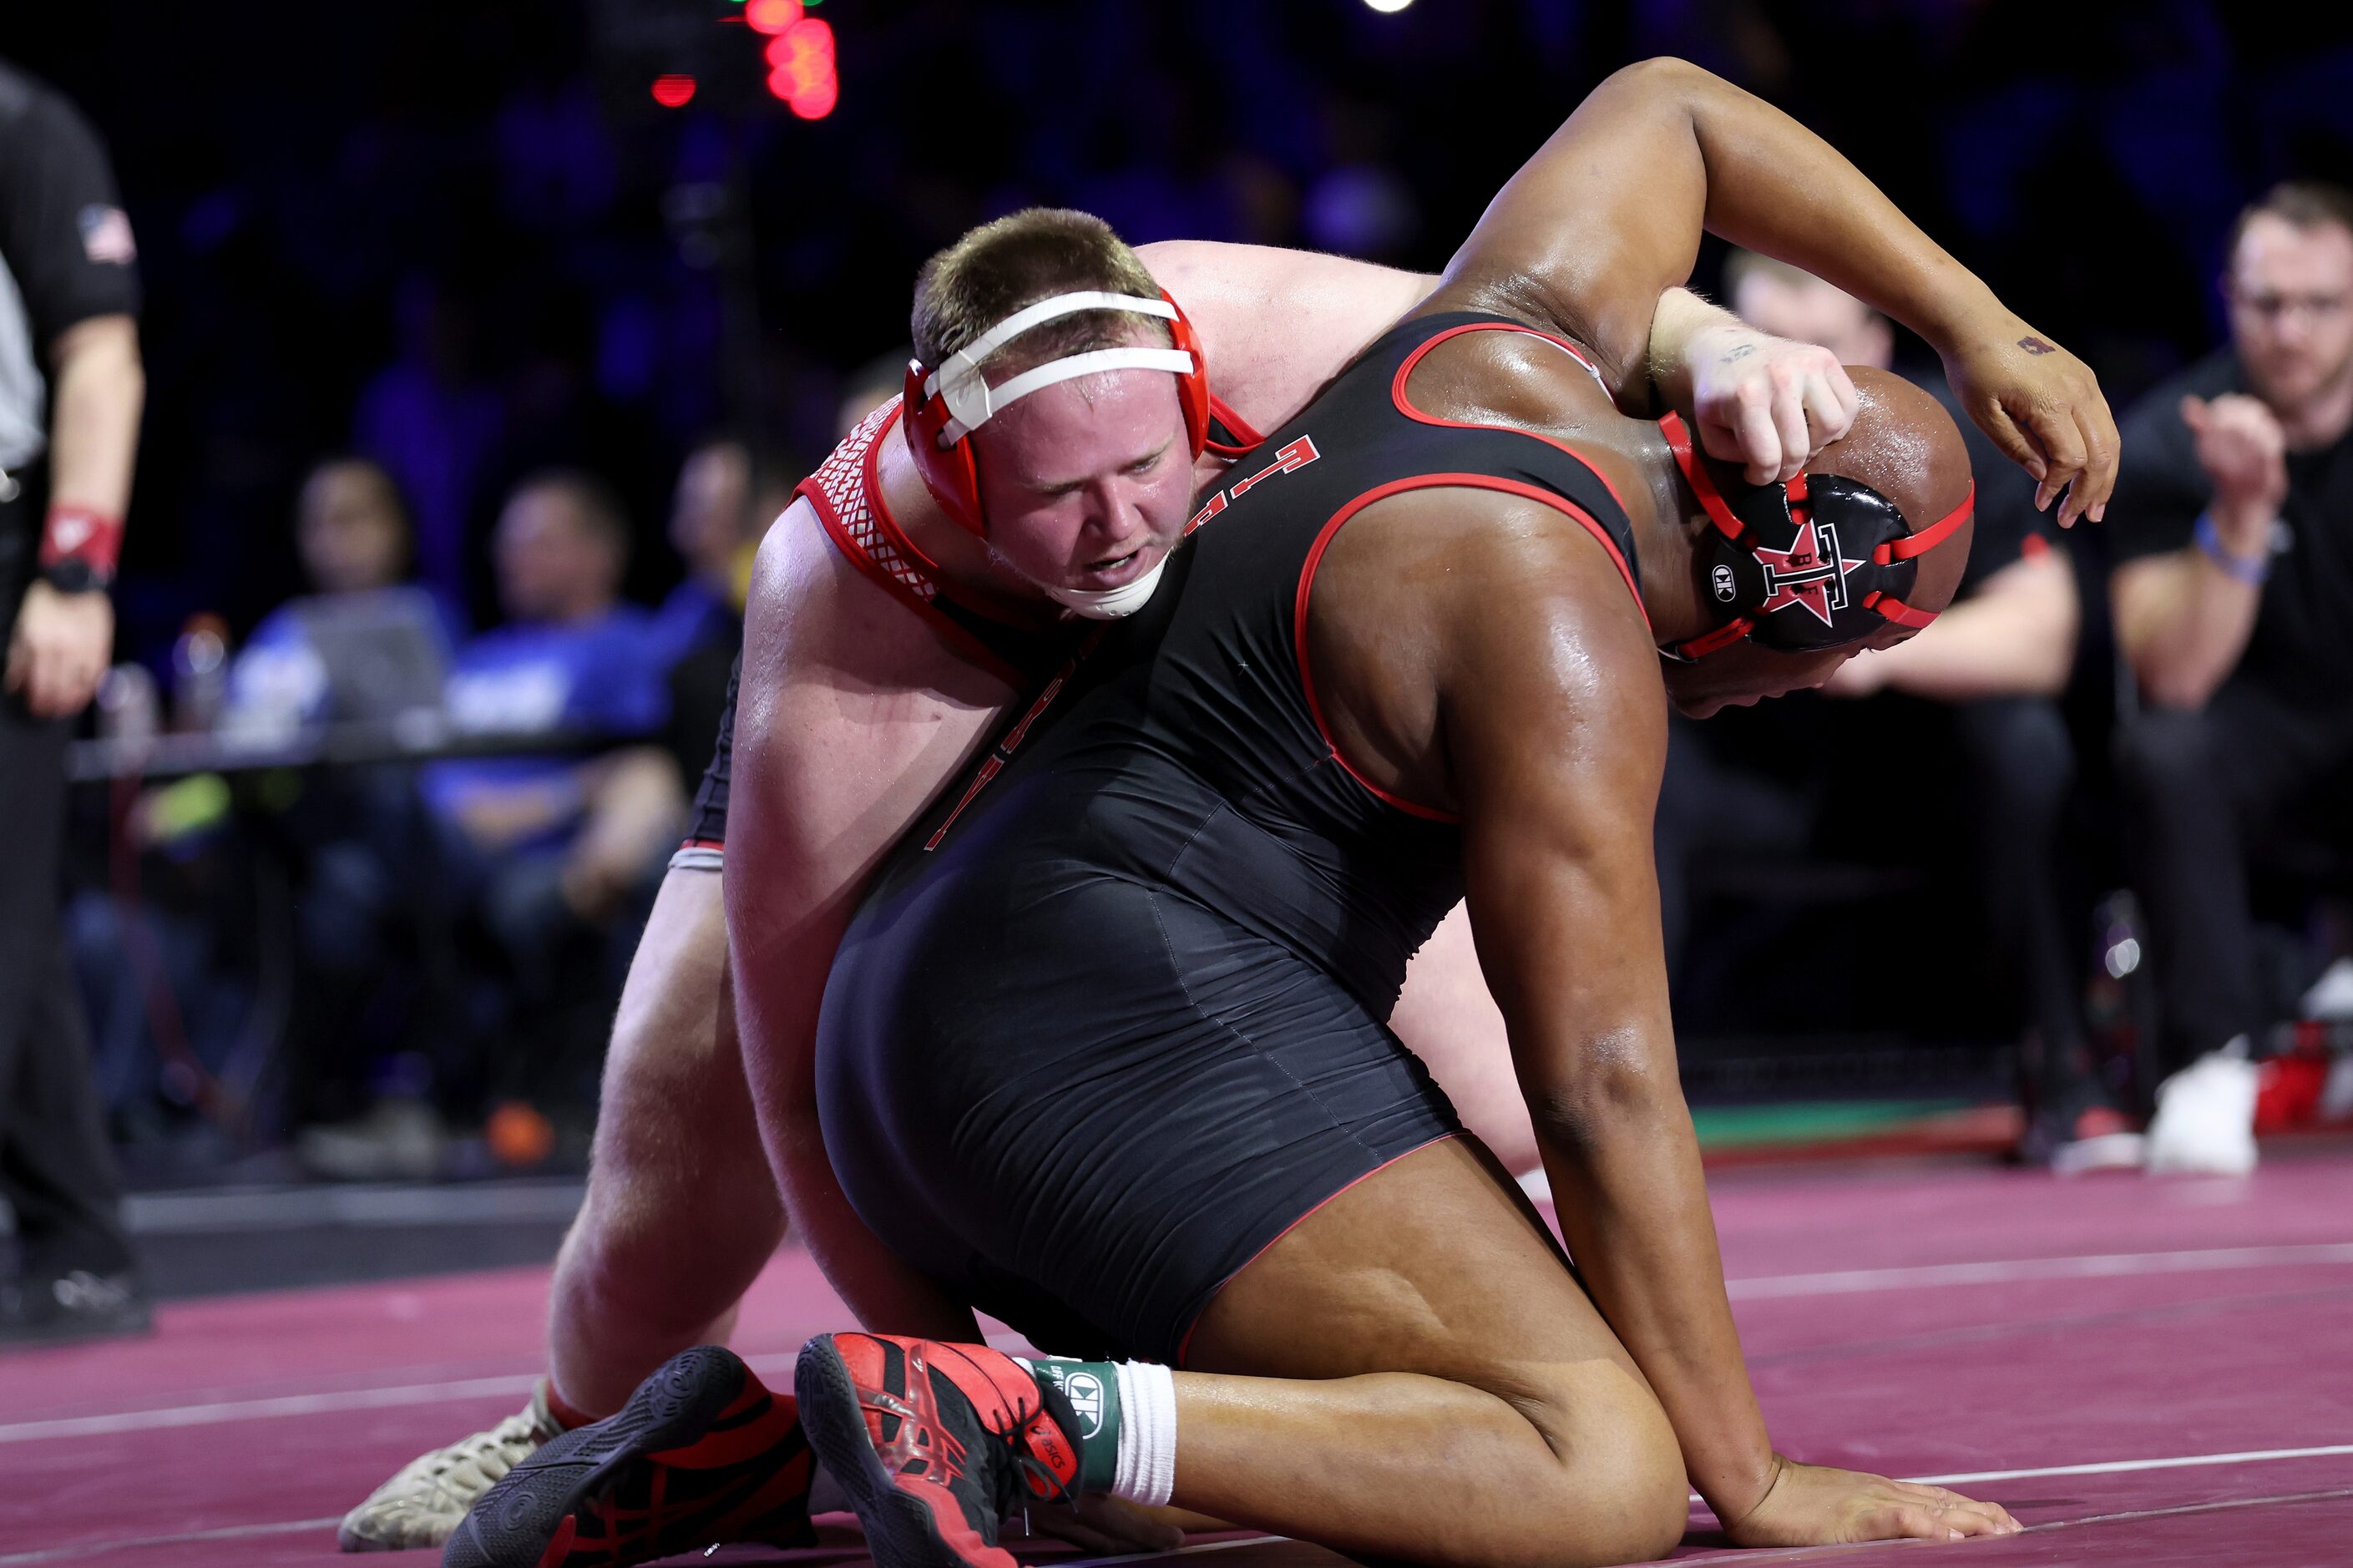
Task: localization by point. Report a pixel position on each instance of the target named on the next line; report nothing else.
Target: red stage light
(803, 72)
(772, 16)
(816, 103)
(673, 92)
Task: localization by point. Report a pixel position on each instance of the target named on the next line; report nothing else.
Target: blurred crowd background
(441, 298)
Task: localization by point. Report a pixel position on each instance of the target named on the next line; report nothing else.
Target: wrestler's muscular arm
(1610, 212)
(1515, 684)
(1276, 325)
(852, 714)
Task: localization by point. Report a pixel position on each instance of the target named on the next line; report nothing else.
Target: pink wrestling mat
(2147, 1373)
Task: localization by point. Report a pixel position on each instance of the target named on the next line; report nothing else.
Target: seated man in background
(2233, 600)
(728, 492)
(1998, 660)
(355, 537)
(350, 832)
(546, 850)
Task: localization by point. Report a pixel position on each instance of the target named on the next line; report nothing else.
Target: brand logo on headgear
(1721, 579)
(1810, 574)
(1085, 1392)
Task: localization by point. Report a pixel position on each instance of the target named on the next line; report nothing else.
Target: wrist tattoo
(2036, 347)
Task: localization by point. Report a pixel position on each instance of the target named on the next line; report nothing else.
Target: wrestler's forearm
(1775, 187)
(1684, 330)
(1625, 1169)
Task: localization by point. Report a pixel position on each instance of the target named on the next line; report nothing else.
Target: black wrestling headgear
(1819, 563)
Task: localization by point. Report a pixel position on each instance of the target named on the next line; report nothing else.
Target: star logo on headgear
(1811, 573)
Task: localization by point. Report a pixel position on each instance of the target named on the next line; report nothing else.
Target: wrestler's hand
(1811, 1505)
(2042, 407)
(1108, 1525)
(1766, 402)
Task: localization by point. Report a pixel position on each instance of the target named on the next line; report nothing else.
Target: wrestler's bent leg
(1412, 1371)
(1446, 1017)
(682, 1211)
(680, 1214)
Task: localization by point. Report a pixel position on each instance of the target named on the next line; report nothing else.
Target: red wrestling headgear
(944, 406)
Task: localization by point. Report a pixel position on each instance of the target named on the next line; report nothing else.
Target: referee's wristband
(2250, 571)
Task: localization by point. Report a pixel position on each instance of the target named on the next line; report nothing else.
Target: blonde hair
(1019, 259)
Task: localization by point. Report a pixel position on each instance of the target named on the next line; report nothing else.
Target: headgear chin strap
(1819, 563)
(945, 405)
(1112, 603)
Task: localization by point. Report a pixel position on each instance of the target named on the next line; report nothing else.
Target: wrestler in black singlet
(1114, 1018)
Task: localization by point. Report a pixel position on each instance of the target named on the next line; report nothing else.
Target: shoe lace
(488, 1455)
(1020, 1480)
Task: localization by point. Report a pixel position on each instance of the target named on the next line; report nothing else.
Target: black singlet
(1114, 1016)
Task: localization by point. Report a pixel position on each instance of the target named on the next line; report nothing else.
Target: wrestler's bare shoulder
(1529, 383)
(820, 630)
(1277, 324)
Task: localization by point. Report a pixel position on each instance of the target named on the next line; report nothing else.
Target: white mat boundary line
(1852, 1281)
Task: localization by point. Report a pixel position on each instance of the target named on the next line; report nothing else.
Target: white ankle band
(1147, 1434)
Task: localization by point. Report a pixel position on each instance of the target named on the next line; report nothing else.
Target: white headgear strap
(972, 401)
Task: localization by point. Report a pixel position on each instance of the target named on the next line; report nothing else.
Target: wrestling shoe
(933, 1443)
(422, 1504)
(2205, 1123)
(702, 1454)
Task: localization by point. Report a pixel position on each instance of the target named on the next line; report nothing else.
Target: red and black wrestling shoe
(933, 1443)
(701, 1453)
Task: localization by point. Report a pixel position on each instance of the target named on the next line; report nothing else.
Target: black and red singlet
(1115, 1017)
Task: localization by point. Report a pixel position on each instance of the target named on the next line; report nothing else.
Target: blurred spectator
(1998, 660)
(2233, 524)
(727, 494)
(68, 299)
(552, 854)
(571, 660)
(352, 533)
(868, 387)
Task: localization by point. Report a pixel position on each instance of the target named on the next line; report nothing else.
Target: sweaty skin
(1409, 1370)
(855, 710)
(859, 711)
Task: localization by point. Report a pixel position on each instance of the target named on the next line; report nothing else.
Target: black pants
(57, 1170)
(2021, 775)
(2205, 794)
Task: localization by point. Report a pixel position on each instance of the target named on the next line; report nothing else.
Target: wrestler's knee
(1620, 1495)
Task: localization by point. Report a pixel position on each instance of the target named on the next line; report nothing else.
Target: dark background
(355, 217)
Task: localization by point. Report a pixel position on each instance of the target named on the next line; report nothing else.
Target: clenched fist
(2243, 450)
(1766, 402)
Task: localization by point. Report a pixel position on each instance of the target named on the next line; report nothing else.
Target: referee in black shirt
(70, 392)
(2232, 524)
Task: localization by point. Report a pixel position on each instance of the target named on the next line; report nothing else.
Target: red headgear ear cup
(948, 472)
(946, 461)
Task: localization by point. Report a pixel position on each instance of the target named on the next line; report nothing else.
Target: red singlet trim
(1245, 438)
(910, 577)
(1406, 407)
(1395, 487)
